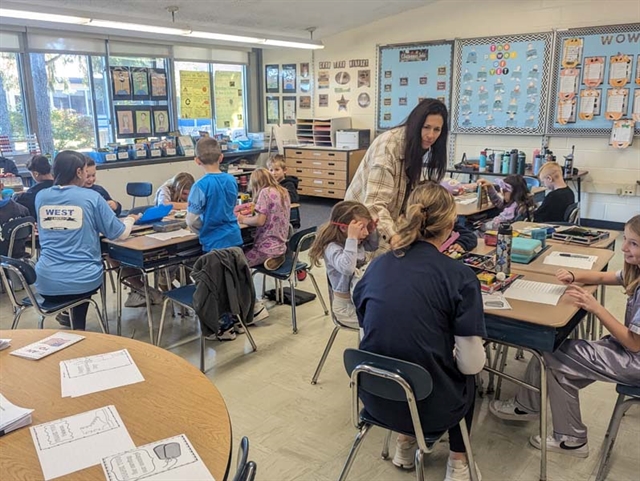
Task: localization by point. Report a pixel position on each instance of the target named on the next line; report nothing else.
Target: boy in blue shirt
(212, 199)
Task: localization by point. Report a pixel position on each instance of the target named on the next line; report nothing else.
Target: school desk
(472, 208)
(608, 243)
(174, 398)
(536, 328)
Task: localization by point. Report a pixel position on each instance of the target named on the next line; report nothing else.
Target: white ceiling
(275, 17)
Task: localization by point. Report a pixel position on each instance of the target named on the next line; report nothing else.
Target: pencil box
(169, 225)
(524, 250)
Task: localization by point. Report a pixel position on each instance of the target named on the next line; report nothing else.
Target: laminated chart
(595, 80)
(501, 84)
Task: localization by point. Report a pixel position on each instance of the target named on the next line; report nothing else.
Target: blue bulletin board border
(536, 114)
(440, 54)
(615, 45)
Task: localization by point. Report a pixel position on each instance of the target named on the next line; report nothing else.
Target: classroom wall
(608, 168)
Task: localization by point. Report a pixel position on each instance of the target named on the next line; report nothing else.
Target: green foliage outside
(72, 130)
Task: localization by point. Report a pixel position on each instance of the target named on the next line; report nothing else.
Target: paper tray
(580, 236)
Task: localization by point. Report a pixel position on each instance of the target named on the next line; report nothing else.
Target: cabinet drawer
(317, 164)
(326, 183)
(321, 192)
(319, 173)
(314, 154)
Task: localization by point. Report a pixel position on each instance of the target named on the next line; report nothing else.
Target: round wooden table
(175, 398)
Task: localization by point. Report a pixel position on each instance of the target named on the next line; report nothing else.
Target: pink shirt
(271, 238)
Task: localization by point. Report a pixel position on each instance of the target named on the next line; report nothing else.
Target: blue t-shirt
(213, 198)
(70, 221)
(410, 308)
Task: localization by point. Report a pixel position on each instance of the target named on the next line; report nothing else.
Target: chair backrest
(18, 230)
(12, 269)
(532, 182)
(243, 456)
(249, 473)
(302, 240)
(572, 212)
(139, 189)
(381, 377)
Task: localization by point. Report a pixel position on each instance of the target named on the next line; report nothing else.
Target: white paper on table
(77, 442)
(86, 375)
(4, 343)
(568, 259)
(467, 201)
(532, 291)
(48, 345)
(12, 415)
(167, 460)
(494, 301)
(163, 236)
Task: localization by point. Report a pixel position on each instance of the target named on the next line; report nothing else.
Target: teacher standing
(398, 160)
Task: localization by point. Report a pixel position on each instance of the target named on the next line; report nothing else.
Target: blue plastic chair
(627, 397)
(139, 189)
(393, 380)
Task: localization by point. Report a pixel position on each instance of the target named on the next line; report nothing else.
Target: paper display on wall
(229, 100)
(195, 97)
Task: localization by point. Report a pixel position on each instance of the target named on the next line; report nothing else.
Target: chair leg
(113, 284)
(16, 317)
(354, 450)
(70, 311)
(385, 445)
(294, 321)
(161, 327)
(246, 331)
(503, 363)
(419, 465)
(467, 446)
(105, 329)
(318, 293)
(612, 433)
(103, 301)
(41, 323)
(328, 347)
(202, 342)
(119, 302)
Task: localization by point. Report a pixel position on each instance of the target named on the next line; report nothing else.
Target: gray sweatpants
(575, 365)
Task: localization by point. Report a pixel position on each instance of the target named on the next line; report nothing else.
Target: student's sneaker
(274, 263)
(260, 312)
(226, 330)
(135, 299)
(405, 455)
(509, 411)
(226, 335)
(64, 319)
(564, 447)
(458, 470)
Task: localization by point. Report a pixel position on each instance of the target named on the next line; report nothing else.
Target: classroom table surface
(472, 208)
(601, 244)
(174, 398)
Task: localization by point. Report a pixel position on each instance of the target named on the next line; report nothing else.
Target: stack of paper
(163, 236)
(531, 291)
(12, 417)
(47, 346)
(4, 343)
(568, 259)
(86, 375)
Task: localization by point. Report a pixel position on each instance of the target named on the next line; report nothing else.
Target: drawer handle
(298, 152)
(330, 182)
(331, 173)
(331, 155)
(332, 164)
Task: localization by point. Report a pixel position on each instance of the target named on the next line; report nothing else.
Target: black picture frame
(161, 121)
(289, 78)
(125, 122)
(121, 83)
(140, 86)
(273, 110)
(272, 79)
(158, 84)
(143, 121)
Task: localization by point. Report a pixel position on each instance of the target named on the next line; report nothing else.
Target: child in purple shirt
(515, 204)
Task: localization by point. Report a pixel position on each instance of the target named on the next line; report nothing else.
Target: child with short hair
(10, 210)
(40, 169)
(342, 243)
(278, 168)
(91, 184)
(578, 363)
(211, 202)
(175, 191)
(271, 211)
(559, 198)
(516, 203)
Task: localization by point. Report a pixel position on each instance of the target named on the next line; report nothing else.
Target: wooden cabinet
(323, 172)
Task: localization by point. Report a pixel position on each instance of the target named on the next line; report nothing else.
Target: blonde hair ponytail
(431, 213)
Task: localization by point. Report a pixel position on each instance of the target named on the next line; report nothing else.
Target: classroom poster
(195, 95)
(272, 76)
(158, 79)
(595, 79)
(407, 74)
(273, 110)
(501, 84)
(140, 81)
(289, 110)
(121, 82)
(229, 100)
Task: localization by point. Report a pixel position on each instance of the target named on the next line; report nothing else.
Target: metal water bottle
(568, 164)
(513, 161)
(522, 162)
(503, 249)
(497, 162)
(483, 161)
(537, 163)
(505, 162)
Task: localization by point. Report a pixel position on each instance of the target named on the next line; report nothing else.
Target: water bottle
(513, 161)
(537, 163)
(505, 162)
(503, 249)
(483, 161)
(497, 163)
(522, 162)
(568, 164)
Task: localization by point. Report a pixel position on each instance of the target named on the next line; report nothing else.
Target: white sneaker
(260, 313)
(135, 299)
(563, 447)
(509, 411)
(458, 470)
(405, 456)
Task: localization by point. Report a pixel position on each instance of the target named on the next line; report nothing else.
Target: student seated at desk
(516, 203)
(91, 184)
(175, 191)
(559, 198)
(577, 363)
(40, 169)
(9, 210)
(278, 169)
(70, 221)
(8, 167)
(420, 306)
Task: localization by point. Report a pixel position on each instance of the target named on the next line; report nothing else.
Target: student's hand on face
(113, 204)
(457, 248)
(582, 298)
(355, 229)
(564, 276)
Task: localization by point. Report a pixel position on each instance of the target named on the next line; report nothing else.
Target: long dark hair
(66, 165)
(413, 151)
(520, 193)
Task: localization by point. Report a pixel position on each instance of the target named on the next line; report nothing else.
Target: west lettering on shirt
(60, 217)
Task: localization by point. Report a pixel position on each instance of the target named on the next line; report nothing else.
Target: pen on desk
(577, 256)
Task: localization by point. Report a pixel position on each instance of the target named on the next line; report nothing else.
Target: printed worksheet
(77, 442)
(167, 460)
(532, 291)
(86, 375)
(568, 259)
(48, 345)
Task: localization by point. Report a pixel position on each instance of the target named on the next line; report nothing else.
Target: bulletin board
(596, 80)
(502, 84)
(408, 73)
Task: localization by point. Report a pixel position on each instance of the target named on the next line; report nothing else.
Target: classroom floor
(303, 432)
